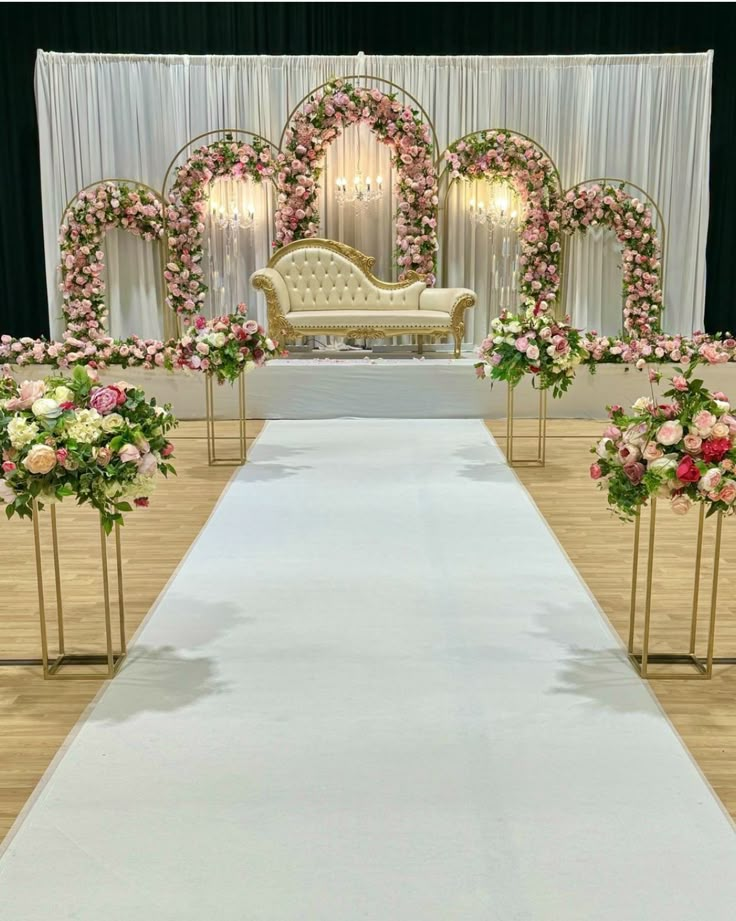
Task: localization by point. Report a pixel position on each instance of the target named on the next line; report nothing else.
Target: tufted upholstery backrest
(320, 279)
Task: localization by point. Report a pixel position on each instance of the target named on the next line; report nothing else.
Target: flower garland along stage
(95, 211)
(631, 221)
(63, 437)
(185, 212)
(519, 161)
(531, 343)
(682, 449)
(325, 115)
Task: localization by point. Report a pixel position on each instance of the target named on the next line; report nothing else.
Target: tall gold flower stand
(212, 457)
(687, 664)
(64, 664)
(539, 459)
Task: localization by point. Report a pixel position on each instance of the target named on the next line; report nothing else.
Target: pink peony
(679, 382)
(703, 422)
(105, 399)
(28, 393)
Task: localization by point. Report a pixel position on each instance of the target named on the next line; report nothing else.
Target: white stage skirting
(434, 388)
(375, 689)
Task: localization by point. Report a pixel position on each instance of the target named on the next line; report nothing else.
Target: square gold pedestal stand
(69, 664)
(689, 664)
(539, 460)
(242, 455)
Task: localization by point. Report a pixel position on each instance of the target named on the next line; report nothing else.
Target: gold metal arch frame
(661, 227)
(218, 133)
(443, 212)
(223, 134)
(163, 248)
(361, 77)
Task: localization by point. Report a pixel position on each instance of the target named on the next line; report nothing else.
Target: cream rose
(40, 459)
(664, 465)
(710, 480)
(63, 395)
(720, 430)
(112, 422)
(692, 443)
(652, 451)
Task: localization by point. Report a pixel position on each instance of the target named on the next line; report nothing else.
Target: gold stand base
(540, 459)
(242, 457)
(57, 668)
(684, 665)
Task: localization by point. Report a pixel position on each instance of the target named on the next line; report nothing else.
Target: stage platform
(399, 388)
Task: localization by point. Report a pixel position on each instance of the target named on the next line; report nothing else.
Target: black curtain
(325, 28)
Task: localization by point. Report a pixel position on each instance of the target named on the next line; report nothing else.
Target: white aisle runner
(375, 691)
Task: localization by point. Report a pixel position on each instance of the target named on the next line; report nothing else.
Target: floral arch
(601, 202)
(187, 204)
(326, 113)
(97, 208)
(515, 158)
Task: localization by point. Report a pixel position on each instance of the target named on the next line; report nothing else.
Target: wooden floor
(36, 715)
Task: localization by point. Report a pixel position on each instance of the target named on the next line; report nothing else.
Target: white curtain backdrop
(644, 118)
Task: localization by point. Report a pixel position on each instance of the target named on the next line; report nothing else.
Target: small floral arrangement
(531, 343)
(224, 346)
(682, 450)
(73, 436)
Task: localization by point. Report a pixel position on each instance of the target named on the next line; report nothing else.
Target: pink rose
(168, 449)
(103, 456)
(148, 464)
(596, 471)
(634, 472)
(710, 480)
(670, 433)
(727, 493)
(692, 443)
(129, 454)
(522, 343)
(679, 382)
(105, 399)
(681, 504)
(703, 422)
(652, 451)
(613, 432)
(8, 467)
(28, 393)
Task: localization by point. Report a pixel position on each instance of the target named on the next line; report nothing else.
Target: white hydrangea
(21, 432)
(140, 487)
(85, 426)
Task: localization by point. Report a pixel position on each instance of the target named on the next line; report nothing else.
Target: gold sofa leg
(458, 344)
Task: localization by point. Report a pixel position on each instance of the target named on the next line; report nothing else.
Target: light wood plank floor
(36, 716)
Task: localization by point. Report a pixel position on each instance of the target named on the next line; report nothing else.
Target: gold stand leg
(62, 666)
(694, 666)
(541, 455)
(212, 458)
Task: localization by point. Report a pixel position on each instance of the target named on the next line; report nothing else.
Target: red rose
(141, 503)
(687, 471)
(715, 449)
(67, 405)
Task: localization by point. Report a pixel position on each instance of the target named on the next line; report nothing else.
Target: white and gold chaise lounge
(319, 286)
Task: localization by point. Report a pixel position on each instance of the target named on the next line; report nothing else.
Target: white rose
(269, 345)
(218, 340)
(112, 422)
(63, 395)
(665, 464)
(642, 405)
(515, 327)
(7, 493)
(722, 407)
(46, 408)
(603, 447)
(532, 352)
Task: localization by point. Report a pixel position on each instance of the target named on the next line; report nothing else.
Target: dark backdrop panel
(323, 28)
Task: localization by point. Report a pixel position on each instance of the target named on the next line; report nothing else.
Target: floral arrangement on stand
(100, 353)
(95, 211)
(517, 160)
(631, 221)
(325, 115)
(62, 437)
(187, 207)
(683, 449)
(224, 346)
(532, 342)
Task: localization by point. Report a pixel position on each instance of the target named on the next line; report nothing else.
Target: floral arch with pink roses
(326, 113)
(517, 159)
(600, 202)
(186, 207)
(98, 208)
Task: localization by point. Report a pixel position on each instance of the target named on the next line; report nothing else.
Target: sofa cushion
(321, 279)
(361, 319)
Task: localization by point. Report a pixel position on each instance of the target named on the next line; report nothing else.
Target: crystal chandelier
(226, 209)
(361, 193)
(233, 219)
(500, 212)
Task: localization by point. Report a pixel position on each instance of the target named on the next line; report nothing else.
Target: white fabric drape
(643, 118)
